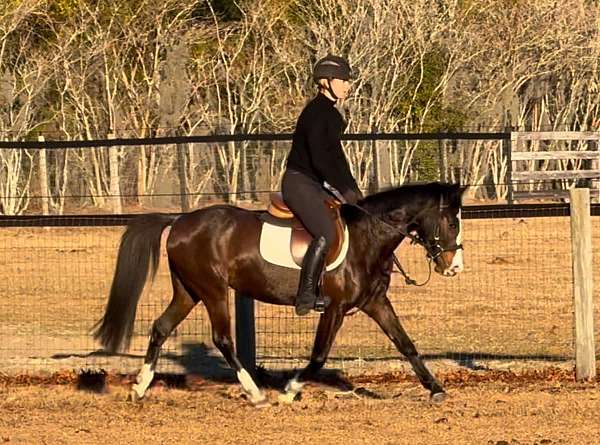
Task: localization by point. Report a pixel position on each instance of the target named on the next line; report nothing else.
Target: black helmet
(332, 67)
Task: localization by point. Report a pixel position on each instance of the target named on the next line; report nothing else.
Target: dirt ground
(390, 409)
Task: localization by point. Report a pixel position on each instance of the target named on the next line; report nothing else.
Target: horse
(216, 248)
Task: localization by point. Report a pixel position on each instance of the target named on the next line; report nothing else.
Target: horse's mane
(393, 198)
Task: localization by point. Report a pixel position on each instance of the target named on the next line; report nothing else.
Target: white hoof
(287, 397)
(292, 389)
(143, 380)
(438, 397)
(134, 396)
(261, 403)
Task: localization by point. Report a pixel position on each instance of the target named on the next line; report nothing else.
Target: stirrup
(318, 304)
(321, 303)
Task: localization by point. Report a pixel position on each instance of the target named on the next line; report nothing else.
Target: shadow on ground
(201, 363)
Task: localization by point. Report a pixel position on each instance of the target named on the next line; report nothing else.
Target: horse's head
(439, 228)
(430, 210)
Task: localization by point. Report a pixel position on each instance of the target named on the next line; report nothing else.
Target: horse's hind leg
(218, 311)
(381, 310)
(180, 306)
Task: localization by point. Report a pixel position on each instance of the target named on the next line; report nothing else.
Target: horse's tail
(139, 254)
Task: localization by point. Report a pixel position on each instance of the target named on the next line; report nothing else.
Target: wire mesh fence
(512, 304)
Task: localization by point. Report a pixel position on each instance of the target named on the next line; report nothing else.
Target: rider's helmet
(332, 67)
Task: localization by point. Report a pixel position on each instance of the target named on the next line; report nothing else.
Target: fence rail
(243, 137)
(525, 166)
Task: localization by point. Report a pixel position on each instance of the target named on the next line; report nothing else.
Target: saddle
(301, 238)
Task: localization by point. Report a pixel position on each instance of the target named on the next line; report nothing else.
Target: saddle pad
(275, 246)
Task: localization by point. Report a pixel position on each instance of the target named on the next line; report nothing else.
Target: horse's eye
(452, 226)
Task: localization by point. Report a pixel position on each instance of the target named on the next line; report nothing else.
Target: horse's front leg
(329, 324)
(381, 310)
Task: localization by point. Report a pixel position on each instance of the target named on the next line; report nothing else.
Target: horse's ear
(458, 193)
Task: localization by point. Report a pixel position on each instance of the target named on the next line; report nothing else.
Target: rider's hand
(352, 196)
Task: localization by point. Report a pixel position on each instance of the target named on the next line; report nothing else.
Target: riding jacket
(316, 147)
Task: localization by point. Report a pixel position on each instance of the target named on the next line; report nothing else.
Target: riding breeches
(306, 199)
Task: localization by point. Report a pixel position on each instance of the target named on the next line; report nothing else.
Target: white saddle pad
(275, 246)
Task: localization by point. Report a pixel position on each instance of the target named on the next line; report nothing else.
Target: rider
(317, 158)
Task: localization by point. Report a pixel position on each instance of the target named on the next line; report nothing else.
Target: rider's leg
(306, 199)
(312, 267)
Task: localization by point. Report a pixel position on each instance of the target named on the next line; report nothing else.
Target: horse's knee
(408, 349)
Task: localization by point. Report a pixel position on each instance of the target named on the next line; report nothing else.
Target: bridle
(433, 247)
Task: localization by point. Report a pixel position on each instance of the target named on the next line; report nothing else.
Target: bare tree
(237, 77)
(539, 72)
(23, 84)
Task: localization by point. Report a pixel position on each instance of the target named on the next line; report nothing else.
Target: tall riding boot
(308, 290)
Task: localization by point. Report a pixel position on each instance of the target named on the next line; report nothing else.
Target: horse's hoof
(262, 403)
(438, 397)
(134, 397)
(287, 397)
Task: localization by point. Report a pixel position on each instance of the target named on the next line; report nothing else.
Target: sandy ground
(379, 411)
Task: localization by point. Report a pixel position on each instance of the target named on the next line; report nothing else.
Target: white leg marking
(256, 395)
(144, 378)
(292, 388)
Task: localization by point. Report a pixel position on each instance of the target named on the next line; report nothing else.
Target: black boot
(308, 291)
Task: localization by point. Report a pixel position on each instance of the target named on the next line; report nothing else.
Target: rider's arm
(327, 156)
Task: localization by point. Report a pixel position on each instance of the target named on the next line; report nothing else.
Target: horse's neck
(375, 239)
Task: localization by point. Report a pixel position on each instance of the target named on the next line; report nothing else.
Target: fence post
(595, 166)
(245, 335)
(508, 147)
(44, 189)
(114, 184)
(581, 244)
(443, 155)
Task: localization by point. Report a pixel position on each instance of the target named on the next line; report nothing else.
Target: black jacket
(316, 147)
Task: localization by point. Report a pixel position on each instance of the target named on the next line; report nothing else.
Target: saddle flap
(300, 240)
(275, 244)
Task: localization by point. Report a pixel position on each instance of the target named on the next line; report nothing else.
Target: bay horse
(216, 248)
